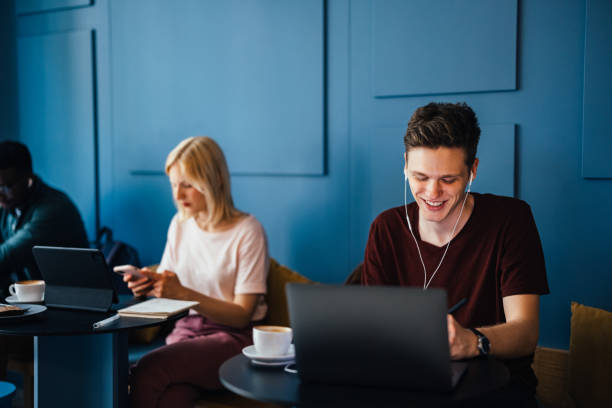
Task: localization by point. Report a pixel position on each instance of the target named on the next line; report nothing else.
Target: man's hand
(517, 337)
(461, 341)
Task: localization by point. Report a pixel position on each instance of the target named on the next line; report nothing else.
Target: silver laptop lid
(371, 336)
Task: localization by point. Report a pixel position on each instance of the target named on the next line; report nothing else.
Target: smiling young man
(481, 247)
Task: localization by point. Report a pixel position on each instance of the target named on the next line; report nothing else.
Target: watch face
(483, 342)
(483, 345)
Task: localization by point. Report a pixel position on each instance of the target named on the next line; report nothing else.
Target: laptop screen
(371, 336)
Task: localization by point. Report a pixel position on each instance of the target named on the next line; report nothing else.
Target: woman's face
(186, 196)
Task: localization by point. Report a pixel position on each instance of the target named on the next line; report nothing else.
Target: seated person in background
(31, 213)
(481, 247)
(215, 255)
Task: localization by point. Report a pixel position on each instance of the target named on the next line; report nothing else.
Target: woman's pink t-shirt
(219, 264)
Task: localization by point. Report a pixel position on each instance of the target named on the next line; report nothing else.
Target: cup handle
(12, 289)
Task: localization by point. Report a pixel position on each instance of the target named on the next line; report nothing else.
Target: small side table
(75, 365)
(276, 386)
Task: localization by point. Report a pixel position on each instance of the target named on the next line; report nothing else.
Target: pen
(457, 306)
(106, 322)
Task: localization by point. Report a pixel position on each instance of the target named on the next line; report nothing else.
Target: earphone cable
(426, 283)
(449, 241)
(413, 237)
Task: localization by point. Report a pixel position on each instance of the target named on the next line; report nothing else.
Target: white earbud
(405, 173)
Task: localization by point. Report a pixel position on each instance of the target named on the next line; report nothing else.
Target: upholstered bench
(581, 376)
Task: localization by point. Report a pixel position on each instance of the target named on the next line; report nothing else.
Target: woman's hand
(140, 286)
(461, 341)
(167, 285)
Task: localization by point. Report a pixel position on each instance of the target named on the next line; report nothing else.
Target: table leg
(81, 371)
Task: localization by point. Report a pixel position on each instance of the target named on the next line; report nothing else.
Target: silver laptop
(374, 336)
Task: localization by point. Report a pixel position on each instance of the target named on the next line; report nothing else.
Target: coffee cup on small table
(28, 290)
(272, 341)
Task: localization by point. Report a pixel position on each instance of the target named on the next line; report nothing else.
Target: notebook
(374, 336)
(157, 308)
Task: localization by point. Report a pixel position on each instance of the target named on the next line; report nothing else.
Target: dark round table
(76, 365)
(67, 322)
(483, 376)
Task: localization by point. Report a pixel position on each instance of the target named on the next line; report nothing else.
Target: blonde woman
(215, 255)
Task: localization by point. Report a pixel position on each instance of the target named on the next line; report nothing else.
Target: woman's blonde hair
(203, 164)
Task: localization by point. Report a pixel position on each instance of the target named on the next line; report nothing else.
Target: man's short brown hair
(444, 124)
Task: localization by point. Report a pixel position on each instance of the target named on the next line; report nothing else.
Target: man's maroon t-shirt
(498, 253)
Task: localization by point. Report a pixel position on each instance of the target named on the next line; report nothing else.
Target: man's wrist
(473, 350)
(483, 347)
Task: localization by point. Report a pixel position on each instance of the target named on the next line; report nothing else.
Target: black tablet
(75, 278)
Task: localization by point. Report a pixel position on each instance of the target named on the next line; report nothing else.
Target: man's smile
(434, 205)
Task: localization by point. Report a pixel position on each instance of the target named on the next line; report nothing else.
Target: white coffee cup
(272, 341)
(28, 291)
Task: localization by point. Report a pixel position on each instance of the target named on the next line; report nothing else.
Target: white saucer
(271, 364)
(14, 299)
(253, 355)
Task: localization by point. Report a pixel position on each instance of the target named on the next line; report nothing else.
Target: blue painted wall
(62, 101)
(338, 81)
(597, 104)
(8, 72)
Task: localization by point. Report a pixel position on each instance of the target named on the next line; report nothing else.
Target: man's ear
(474, 169)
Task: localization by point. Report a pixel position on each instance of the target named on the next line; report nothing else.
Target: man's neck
(439, 233)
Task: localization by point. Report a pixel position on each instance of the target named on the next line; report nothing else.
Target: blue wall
(310, 100)
(8, 72)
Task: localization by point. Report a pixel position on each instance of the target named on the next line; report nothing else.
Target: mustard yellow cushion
(278, 277)
(144, 336)
(590, 357)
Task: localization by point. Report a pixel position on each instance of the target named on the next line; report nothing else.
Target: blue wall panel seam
(96, 149)
(325, 104)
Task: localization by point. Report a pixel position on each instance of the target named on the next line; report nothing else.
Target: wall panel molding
(597, 104)
(41, 6)
(423, 47)
(182, 69)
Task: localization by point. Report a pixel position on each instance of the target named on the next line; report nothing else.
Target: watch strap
(483, 342)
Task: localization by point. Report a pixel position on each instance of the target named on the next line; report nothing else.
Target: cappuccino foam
(30, 282)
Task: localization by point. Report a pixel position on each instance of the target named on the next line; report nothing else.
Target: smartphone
(128, 269)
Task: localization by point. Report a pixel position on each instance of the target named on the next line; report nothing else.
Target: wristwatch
(483, 343)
